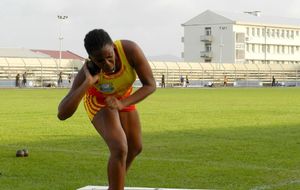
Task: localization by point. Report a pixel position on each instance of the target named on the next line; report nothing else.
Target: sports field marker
(132, 188)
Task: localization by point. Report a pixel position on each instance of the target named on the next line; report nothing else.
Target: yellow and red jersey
(118, 84)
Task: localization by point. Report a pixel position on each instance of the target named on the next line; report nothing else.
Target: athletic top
(118, 84)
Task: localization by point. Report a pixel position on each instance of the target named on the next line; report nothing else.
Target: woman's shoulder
(128, 44)
(130, 48)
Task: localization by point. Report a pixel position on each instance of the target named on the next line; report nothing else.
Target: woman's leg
(131, 124)
(107, 123)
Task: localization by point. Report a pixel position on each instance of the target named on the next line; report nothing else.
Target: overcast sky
(154, 24)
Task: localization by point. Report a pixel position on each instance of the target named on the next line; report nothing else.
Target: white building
(222, 37)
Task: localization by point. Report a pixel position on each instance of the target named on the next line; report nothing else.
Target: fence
(205, 74)
(43, 72)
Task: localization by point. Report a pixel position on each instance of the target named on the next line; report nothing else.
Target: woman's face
(104, 58)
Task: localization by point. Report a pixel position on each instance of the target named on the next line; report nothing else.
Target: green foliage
(222, 138)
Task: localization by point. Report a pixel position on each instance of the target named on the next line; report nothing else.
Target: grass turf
(222, 138)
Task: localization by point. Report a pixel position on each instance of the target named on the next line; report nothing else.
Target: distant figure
(225, 80)
(163, 84)
(69, 78)
(59, 82)
(273, 81)
(181, 81)
(24, 81)
(18, 80)
(187, 82)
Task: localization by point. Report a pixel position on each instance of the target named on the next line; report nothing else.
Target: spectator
(181, 81)
(163, 85)
(60, 80)
(187, 82)
(18, 80)
(69, 78)
(24, 81)
(225, 80)
(273, 81)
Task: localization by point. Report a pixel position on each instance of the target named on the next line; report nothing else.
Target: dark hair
(96, 39)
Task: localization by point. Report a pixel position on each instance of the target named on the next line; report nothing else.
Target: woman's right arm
(70, 102)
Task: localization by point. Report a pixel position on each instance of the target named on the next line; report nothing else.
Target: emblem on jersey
(107, 87)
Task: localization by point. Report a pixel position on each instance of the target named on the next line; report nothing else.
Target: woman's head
(96, 40)
(100, 48)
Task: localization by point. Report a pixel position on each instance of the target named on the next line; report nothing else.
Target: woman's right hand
(89, 79)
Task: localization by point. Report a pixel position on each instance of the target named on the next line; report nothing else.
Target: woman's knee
(119, 152)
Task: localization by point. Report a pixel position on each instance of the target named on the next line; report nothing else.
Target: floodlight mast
(61, 18)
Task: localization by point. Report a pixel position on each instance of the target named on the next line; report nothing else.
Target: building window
(258, 31)
(208, 47)
(208, 31)
(292, 34)
(240, 54)
(268, 48)
(288, 34)
(253, 47)
(253, 31)
(240, 38)
(297, 33)
(282, 33)
(247, 31)
(277, 33)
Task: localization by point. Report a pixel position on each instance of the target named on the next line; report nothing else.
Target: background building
(222, 37)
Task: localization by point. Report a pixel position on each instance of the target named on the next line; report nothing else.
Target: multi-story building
(249, 37)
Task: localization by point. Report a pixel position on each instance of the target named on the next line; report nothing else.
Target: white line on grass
(280, 184)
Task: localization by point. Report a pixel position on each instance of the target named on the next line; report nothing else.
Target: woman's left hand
(113, 103)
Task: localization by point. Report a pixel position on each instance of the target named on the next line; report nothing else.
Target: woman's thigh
(107, 123)
(130, 122)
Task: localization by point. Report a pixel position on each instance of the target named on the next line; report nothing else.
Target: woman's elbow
(61, 116)
(152, 87)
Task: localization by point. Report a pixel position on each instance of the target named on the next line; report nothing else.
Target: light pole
(61, 19)
(222, 28)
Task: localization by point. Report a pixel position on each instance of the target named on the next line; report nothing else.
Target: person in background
(163, 84)
(69, 78)
(18, 80)
(24, 80)
(105, 85)
(273, 81)
(60, 80)
(181, 81)
(187, 82)
(225, 81)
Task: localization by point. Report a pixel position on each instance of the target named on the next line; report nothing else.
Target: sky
(155, 25)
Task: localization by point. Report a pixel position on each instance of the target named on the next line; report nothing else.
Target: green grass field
(193, 138)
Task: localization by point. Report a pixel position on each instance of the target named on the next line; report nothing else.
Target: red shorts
(95, 100)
